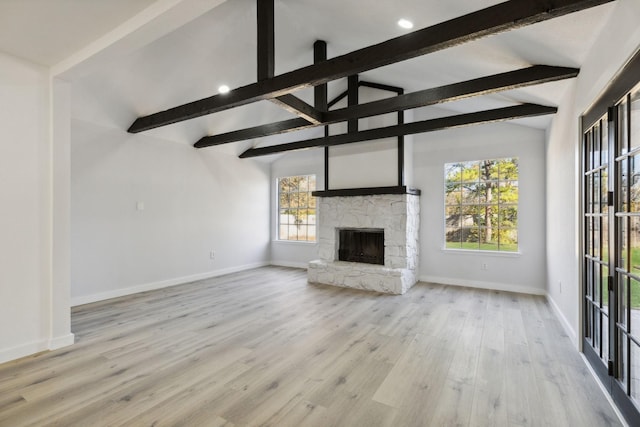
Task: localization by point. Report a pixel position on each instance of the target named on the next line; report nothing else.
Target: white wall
(26, 317)
(619, 39)
(523, 272)
(369, 163)
(294, 254)
(194, 202)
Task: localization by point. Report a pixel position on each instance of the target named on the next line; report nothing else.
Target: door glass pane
(634, 234)
(604, 188)
(589, 194)
(597, 283)
(596, 328)
(635, 120)
(604, 146)
(605, 337)
(634, 184)
(604, 254)
(623, 301)
(595, 131)
(623, 186)
(623, 242)
(596, 237)
(588, 326)
(588, 278)
(622, 363)
(634, 321)
(588, 151)
(588, 248)
(604, 291)
(596, 192)
(623, 132)
(635, 374)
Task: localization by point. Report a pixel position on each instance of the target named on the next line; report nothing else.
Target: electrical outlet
(484, 266)
(212, 255)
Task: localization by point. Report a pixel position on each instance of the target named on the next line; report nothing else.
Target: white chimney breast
(397, 214)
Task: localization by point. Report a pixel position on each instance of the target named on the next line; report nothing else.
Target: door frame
(625, 81)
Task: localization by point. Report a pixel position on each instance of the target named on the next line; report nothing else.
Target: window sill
(484, 253)
(294, 242)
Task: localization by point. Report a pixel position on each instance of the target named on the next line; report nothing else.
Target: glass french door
(611, 274)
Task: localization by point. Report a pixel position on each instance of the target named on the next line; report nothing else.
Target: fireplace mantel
(367, 191)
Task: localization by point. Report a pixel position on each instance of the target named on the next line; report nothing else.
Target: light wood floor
(263, 347)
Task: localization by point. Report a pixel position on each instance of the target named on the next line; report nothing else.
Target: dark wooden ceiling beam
(275, 128)
(338, 98)
(500, 114)
(534, 75)
(353, 99)
(380, 86)
(320, 93)
(492, 20)
(295, 105)
(265, 19)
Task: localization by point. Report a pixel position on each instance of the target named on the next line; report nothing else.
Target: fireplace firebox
(361, 245)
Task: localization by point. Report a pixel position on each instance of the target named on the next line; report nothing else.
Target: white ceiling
(220, 47)
(48, 31)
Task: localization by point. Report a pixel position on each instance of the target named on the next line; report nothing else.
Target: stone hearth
(397, 214)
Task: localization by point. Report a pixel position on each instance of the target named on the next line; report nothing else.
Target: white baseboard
(87, 299)
(23, 350)
(564, 322)
(483, 285)
(290, 264)
(63, 341)
(31, 348)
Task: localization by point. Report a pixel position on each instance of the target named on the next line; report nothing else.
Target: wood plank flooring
(264, 348)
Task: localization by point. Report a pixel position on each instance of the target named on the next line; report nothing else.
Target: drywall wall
(147, 213)
(619, 39)
(294, 254)
(26, 318)
(522, 272)
(369, 163)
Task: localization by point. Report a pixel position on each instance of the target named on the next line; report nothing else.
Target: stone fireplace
(366, 221)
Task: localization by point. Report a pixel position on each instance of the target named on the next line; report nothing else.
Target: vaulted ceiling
(219, 47)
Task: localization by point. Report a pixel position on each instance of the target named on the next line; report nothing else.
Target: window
(481, 205)
(297, 208)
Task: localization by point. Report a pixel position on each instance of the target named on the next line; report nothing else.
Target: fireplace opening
(361, 245)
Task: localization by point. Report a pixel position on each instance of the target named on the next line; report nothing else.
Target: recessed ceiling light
(405, 23)
(223, 89)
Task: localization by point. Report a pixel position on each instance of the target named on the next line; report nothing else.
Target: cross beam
(536, 74)
(502, 17)
(488, 116)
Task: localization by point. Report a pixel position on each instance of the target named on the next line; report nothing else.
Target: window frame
(311, 177)
(479, 205)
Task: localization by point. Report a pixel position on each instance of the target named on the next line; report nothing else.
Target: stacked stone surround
(397, 214)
